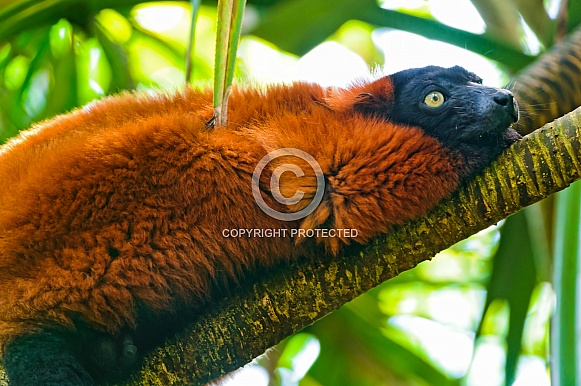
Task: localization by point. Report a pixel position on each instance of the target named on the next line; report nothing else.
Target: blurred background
(479, 313)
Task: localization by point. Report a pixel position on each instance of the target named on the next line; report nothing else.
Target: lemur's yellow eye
(434, 99)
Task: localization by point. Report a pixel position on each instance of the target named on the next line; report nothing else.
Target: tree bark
(288, 298)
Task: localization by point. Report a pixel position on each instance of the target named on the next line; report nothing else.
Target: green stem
(195, 4)
(225, 8)
(234, 38)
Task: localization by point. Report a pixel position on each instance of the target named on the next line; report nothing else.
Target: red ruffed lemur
(112, 217)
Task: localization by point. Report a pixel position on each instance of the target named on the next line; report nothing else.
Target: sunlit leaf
(537, 18)
(495, 319)
(117, 57)
(299, 353)
(31, 96)
(230, 13)
(93, 71)
(15, 72)
(502, 20)
(574, 14)
(63, 85)
(5, 50)
(153, 61)
(356, 36)
(537, 327)
(314, 21)
(116, 25)
(168, 21)
(311, 22)
(166, 49)
(61, 39)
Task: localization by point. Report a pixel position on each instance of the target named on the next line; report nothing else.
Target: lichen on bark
(290, 297)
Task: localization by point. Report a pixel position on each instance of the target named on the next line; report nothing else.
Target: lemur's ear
(374, 98)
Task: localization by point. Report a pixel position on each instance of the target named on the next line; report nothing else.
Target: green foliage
(515, 254)
(56, 66)
(298, 355)
(567, 256)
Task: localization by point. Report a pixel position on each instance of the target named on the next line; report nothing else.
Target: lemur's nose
(506, 99)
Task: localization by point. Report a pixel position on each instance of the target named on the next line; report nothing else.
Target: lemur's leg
(58, 358)
(44, 359)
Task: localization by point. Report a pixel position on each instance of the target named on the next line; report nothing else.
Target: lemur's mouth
(516, 111)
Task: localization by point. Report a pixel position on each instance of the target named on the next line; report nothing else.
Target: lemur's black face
(452, 105)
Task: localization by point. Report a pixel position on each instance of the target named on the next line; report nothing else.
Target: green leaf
(154, 61)
(40, 58)
(574, 15)
(166, 49)
(63, 90)
(15, 72)
(61, 39)
(234, 39)
(565, 339)
(195, 8)
(116, 56)
(357, 37)
(93, 71)
(298, 355)
(513, 280)
(221, 62)
(351, 340)
(118, 28)
(29, 100)
(311, 22)
(5, 57)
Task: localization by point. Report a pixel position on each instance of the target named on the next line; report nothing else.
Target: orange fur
(360, 93)
(124, 201)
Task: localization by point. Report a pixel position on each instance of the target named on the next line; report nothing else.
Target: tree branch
(289, 298)
(286, 299)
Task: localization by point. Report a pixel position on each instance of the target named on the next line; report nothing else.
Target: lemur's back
(125, 199)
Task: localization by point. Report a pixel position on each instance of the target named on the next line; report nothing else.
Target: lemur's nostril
(507, 101)
(503, 98)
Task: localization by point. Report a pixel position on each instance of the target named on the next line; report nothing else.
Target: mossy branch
(289, 298)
